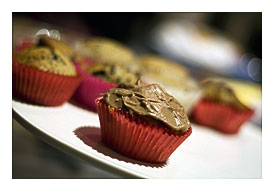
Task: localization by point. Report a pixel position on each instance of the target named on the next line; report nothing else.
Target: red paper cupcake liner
(220, 116)
(42, 87)
(90, 88)
(136, 138)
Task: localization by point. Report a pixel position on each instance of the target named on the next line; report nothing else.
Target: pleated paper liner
(220, 116)
(40, 87)
(90, 88)
(137, 138)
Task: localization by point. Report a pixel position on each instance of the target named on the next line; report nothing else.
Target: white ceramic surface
(205, 154)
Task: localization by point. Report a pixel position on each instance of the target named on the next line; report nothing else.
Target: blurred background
(224, 45)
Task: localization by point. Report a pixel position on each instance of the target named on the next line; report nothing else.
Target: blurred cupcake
(112, 64)
(220, 108)
(98, 78)
(105, 50)
(173, 77)
(44, 76)
(142, 121)
(45, 38)
(63, 47)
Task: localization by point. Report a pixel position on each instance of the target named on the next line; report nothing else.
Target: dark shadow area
(23, 100)
(91, 136)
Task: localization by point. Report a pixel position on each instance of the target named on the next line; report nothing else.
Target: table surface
(205, 154)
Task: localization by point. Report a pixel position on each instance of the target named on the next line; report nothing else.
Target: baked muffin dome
(113, 73)
(163, 69)
(66, 49)
(46, 59)
(106, 50)
(221, 92)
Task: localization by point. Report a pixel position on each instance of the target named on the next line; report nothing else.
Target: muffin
(220, 108)
(173, 77)
(141, 121)
(44, 76)
(113, 73)
(105, 50)
(62, 46)
(112, 63)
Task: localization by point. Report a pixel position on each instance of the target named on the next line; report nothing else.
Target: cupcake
(112, 63)
(105, 50)
(53, 43)
(112, 73)
(43, 76)
(173, 77)
(143, 122)
(63, 47)
(220, 108)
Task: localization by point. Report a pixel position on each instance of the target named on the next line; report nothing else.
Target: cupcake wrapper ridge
(40, 87)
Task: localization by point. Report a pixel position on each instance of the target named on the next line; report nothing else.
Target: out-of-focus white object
(196, 44)
(55, 34)
(50, 33)
(205, 154)
(43, 32)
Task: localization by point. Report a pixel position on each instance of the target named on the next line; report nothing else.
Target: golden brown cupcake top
(46, 59)
(63, 47)
(219, 91)
(162, 69)
(106, 50)
(150, 102)
(113, 73)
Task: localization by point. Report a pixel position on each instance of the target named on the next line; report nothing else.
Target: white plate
(205, 154)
